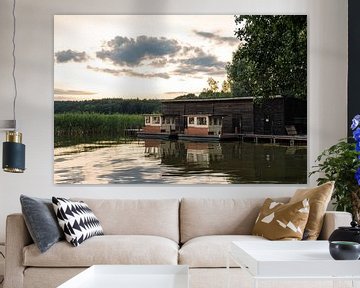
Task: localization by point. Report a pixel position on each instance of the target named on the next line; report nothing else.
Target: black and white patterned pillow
(77, 220)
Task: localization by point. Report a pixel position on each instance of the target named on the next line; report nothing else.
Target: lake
(153, 161)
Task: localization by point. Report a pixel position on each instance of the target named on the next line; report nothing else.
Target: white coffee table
(131, 276)
(293, 260)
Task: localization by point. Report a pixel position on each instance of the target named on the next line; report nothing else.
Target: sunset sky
(139, 56)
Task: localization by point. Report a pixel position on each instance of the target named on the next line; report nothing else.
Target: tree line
(109, 106)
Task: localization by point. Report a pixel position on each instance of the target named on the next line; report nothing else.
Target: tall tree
(213, 85)
(272, 57)
(225, 86)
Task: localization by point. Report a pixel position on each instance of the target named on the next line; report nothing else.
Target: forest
(109, 106)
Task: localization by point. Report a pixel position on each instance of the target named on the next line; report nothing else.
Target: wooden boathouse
(243, 116)
(277, 119)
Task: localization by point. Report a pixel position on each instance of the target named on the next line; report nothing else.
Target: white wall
(327, 20)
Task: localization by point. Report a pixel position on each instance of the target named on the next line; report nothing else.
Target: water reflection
(177, 162)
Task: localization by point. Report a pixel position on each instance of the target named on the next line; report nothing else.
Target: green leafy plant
(271, 59)
(341, 163)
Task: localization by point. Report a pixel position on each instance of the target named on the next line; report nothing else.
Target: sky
(139, 56)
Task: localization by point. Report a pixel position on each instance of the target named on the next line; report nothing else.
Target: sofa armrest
(333, 220)
(17, 237)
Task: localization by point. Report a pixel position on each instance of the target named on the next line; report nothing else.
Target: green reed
(94, 124)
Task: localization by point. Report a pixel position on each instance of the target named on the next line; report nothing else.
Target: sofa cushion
(77, 220)
(279, 221)
(41, 221)
(200, 217)
(107, 249)
(158, 217)
(319, 198)
(211, 251)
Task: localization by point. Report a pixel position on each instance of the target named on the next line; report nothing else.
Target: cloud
(193, 71)
(191, 49)
(204, 61)
(217, 38)
(199, 62)
(70, 55)
(58, 91)
(126, 51)
(129, 73)
(159, 62)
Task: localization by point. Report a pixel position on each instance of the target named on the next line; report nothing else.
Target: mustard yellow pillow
(279, 221)
(319, 198)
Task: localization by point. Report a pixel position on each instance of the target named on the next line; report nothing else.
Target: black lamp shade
(13, 157)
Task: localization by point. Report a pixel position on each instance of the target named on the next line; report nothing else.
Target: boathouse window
(191, 120)
(167, 120)
(201, 121)
(156, 120)
(147, 119)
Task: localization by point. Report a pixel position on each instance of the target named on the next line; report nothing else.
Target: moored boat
(205, 127)
(160, 126)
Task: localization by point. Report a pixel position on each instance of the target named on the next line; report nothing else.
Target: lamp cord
(14, 60)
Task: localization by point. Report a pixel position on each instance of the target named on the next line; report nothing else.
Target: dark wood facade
(243, 116)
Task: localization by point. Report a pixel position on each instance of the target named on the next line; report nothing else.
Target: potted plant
(341, 163)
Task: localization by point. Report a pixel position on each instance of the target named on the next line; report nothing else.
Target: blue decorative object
(356, 134)
(13, 153)
(355, 122)
(13, 149)
(357, 147)
(357, 176)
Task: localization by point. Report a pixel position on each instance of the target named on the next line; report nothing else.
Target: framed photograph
(180, 99)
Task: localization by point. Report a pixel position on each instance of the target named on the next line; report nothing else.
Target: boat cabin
(152, 123)
(160, 125)
(169, 123)
(203, 124)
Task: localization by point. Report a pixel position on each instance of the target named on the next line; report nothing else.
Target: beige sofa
(194, 232)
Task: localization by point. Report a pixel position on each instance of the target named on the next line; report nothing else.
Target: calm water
(177, 162)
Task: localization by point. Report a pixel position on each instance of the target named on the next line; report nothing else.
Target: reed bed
(95, 124)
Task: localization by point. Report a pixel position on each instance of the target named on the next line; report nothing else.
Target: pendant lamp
(13, 149)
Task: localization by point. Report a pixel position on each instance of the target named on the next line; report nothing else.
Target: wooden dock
(209, 138)
(149, 135)
(291, 140)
